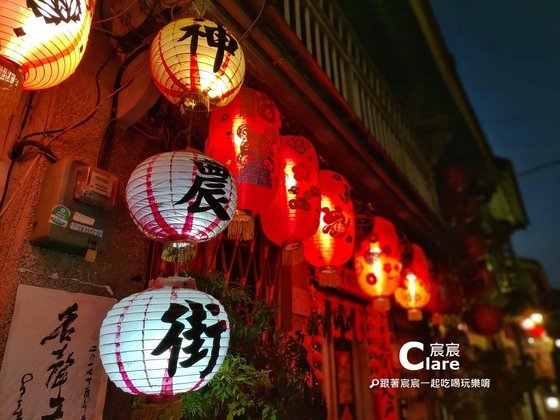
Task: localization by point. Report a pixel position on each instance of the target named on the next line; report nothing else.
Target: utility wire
(538, 168)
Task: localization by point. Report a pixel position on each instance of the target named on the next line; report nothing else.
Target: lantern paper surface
(244, 136)
(179, 196)
(378, 260)
(44, 39)
(333, 242)
(164, 341)
(294, 213)
(415, 291)
(197, 64)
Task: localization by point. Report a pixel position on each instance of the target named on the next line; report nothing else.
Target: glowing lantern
(332, 244)
(197, 64)
(181, 198)
(415, 292)
(293, 215)
(244, 136)
(41, 44)
(378, 263)
(164, 341)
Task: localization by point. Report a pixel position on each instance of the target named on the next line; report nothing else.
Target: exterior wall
(126, 256)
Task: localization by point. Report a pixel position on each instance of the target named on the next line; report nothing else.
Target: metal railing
(323, 29)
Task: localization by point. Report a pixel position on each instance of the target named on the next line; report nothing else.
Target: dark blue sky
(507, 54)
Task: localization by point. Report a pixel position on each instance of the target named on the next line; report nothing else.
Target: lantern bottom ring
(414, 314)
(194, 101)
(11, 79)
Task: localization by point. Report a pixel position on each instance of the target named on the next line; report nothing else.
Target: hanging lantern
(41, 44)
(486, 319)
(378, 263)
(474, 246)
(181, 198)
(446, 295)
(244, 137)
(164, 341)
(293, 215)
(197, 64)
(332, 244)
(415, 291)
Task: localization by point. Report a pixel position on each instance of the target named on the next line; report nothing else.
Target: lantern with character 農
(414, 291)
(377, 263)
(244, 136)
(294, 213)
(180, 199)
(41, 44)
(164, 341)
(332, 244)
(197, 64)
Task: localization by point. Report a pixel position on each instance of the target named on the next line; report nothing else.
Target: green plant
(265, 374)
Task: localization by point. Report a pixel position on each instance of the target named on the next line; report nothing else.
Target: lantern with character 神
(244, 136)
(378, 264)
(164, 341)
(197, 64)
(41, 44)
(181, 198)
(332, 244)
(294, 213)
(414, 292)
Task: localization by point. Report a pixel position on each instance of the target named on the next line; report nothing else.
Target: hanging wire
(122, 12)
(250, 28)
(538, 168)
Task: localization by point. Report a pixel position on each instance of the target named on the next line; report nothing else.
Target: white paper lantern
(164, 341)
(181, 197)
(197, 64)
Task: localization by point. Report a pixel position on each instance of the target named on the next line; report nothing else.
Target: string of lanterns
(169, 340)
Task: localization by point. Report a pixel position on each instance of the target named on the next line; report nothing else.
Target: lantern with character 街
(164, 341)
(332, 244)
(197, 64)
(294, 213)
(414, 292)
(378, 264)
(181, 198)
(244, 136)
(41, 44)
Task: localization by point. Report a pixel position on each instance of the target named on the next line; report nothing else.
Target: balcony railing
(321, 26)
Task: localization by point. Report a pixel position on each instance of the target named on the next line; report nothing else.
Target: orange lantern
(41, 44)
(414, 293)
(378, 263)
(244, 136)
(197, 64)
(333, 243)
(293, 215)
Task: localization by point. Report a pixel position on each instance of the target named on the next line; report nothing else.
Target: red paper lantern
(41, 43)
(293, 215)
(332, 244)
(474, 246)
(181, 198)
(244, 136)
(446, 294)
(378, 263)
(414, 293)
(486, 319)
(197, 64)
(164, 341)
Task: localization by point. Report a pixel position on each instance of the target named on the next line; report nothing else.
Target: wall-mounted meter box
(72, 212)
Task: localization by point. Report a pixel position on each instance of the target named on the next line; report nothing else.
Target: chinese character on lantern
(164, 341)
(197, 64)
